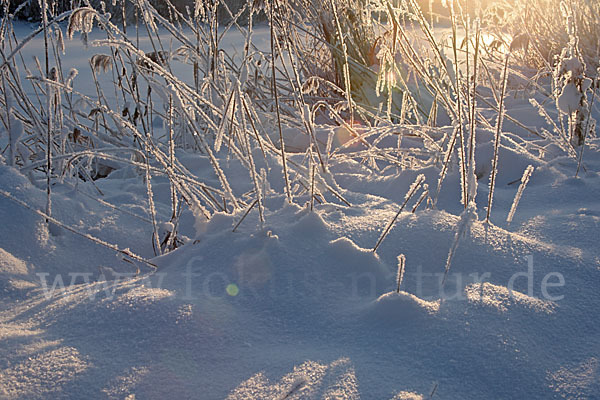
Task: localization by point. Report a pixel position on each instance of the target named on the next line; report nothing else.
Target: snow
(300, 307)
(569, 98)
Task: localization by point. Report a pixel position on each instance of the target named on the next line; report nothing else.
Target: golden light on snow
(344, 135)
(307, 380)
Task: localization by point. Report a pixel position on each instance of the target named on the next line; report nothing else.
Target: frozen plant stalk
(524, 180)
(411, 192)
(466, 220)
(400, 275)
(497, 140)
(49, 121)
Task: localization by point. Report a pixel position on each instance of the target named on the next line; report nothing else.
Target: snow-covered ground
(302, 308)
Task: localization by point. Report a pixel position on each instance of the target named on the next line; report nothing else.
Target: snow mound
(310, 224)
(400, 307)
(295, 261)
(353, 259)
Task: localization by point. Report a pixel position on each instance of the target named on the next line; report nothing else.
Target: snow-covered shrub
(572, 88)
(572, 85)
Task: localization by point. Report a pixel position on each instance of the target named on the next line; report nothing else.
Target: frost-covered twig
(250, 207)
(345, 67)
(590, 124)
(151, 208)
(411, 192)
(49, 116)
(18, 48)
(446, 162)
(288, 190)
(464, 224)
(400, 274)
(472, 187)
(423, 196)
(524, 180)
(497, 139)
(125, 252)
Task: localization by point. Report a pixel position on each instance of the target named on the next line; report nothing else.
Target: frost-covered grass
(164, 84)
(546, 31)
(317, 159)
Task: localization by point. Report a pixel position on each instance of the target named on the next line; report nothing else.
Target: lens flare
(232, 289)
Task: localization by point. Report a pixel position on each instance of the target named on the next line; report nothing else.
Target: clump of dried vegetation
(368, 66)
